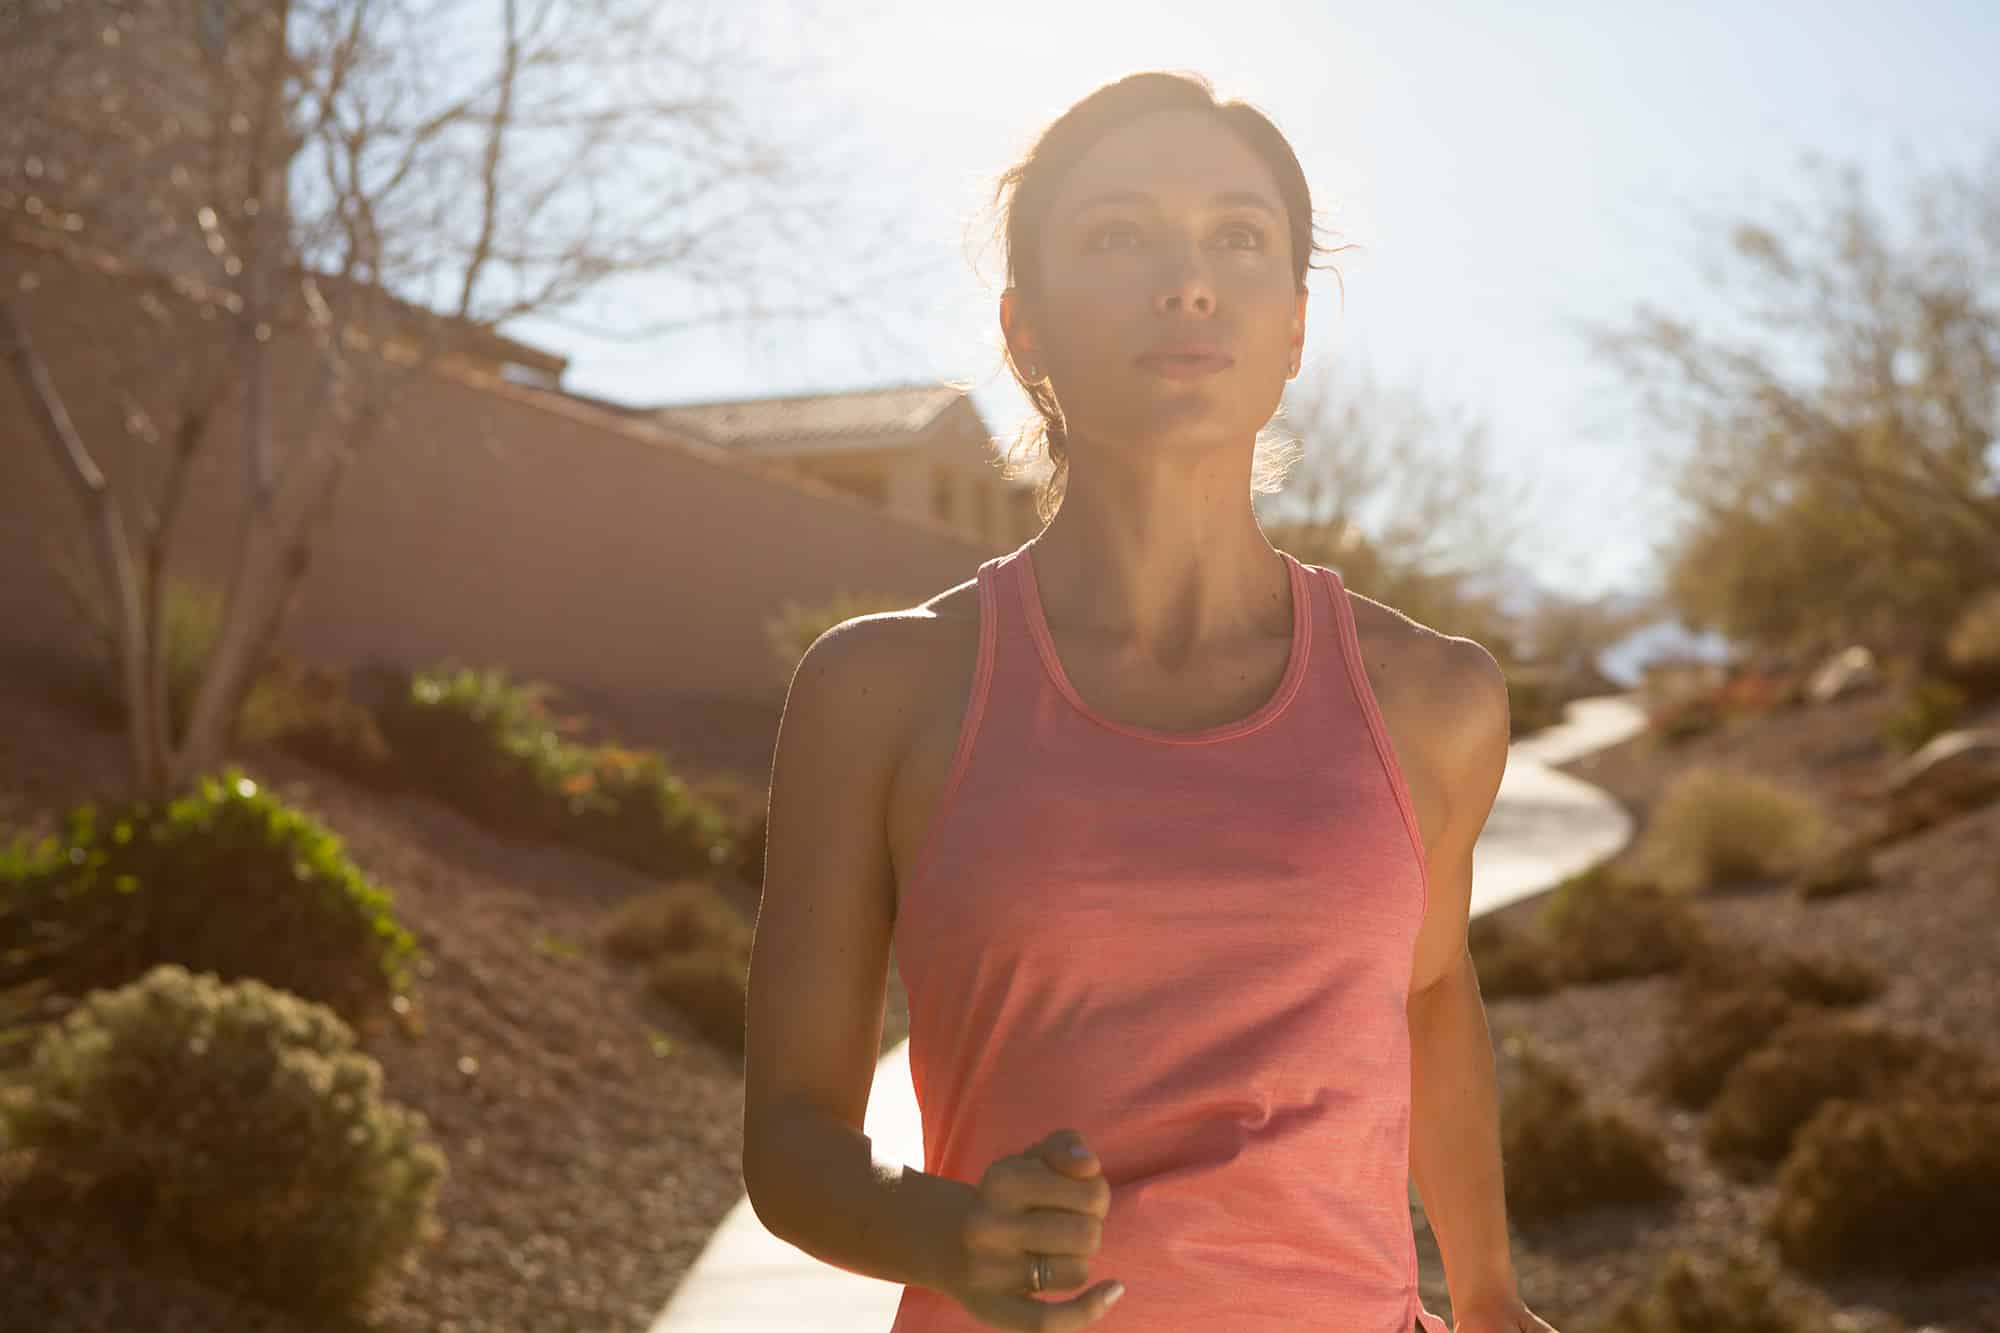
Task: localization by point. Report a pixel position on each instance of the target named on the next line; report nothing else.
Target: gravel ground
(1928, 926)
(587, 1169)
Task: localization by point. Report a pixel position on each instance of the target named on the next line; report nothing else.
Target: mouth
(1186, 365)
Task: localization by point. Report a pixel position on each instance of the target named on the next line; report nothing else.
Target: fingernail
(1078, 1151)
(1113, 1292)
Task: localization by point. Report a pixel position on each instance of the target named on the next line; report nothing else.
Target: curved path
(1545, 826)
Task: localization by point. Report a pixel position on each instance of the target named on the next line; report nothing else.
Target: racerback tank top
(1195, 949)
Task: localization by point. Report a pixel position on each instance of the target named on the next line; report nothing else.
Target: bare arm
(819, 977)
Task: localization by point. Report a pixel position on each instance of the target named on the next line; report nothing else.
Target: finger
(1009, 1274)
(1061, 1316)
(1067, 1152)
(1010, 1233)
(1025, 1184)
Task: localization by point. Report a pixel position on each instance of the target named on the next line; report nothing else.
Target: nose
(1184, 283)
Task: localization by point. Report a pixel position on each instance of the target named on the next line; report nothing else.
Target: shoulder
(1451, 682)
(879, 667)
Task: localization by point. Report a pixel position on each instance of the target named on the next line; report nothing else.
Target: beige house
(919, 452)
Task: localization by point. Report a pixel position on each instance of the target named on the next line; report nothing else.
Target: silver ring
(1038, 1272)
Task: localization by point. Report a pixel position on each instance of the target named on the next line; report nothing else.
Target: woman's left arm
(1454, 1112)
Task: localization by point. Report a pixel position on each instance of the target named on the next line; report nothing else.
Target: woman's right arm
(819, 973)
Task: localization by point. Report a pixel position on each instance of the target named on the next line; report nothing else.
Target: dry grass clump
(697, 948)
(1713, 826)
(1815, 1058)
(1908, 1184)
(1731, 999)
(1605, 924)
(1563, 1151)
(1736, 1293)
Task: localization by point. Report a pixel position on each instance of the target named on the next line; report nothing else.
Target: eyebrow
(1221, 199)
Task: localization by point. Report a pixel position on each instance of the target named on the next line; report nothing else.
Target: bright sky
(1508, 172)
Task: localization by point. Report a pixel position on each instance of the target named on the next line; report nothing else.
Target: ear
(1299, 320)
(1021, 344)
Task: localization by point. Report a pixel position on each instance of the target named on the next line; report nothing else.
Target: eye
(1251, 229)
(1113, 229)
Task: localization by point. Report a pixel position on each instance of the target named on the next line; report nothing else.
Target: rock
(1956, 772)
(1955, 764)
(1850, 671)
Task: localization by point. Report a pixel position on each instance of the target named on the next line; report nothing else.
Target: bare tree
(1835, 444)
(389, 180)
(1405, 498)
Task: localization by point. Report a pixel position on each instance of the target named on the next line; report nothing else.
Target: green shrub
(495, 750)
(248, 1132)
(226, 878)
(1605, 924)
(1562, 1151)
(1907, 1185)
(1712, 825)
(1736, 1293)
(1508, 961)
(1929, 708)
(1817, 1057)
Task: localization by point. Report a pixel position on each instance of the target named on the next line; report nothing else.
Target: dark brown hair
(1022, 196)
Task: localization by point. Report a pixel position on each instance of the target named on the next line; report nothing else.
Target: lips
(1184, 363)
(1189, 353)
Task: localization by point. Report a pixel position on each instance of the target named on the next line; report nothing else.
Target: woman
(1171, 834)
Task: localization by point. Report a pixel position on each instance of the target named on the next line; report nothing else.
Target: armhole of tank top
(968, 728)
(1371, 710)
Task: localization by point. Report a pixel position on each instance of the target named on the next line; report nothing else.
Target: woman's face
(1168, 229)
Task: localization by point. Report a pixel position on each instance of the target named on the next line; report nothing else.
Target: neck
(1162, 560)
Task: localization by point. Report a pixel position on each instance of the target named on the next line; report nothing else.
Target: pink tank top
(1195, 949)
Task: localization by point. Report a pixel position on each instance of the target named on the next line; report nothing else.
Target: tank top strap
(1016, 685)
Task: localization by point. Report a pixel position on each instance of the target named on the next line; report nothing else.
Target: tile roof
(891, 415)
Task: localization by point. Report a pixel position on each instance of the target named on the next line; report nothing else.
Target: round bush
(1563, 1152)
(1708, 1034)
(226, 879)
(1606, 925)
(240, 1120)
(1735, 1293)
(1712, 825)
(1909, 1185)
(1817, 1057)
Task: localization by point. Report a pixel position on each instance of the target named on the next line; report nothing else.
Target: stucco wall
(489, 523)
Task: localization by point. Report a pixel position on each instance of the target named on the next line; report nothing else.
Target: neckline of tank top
(1263, 715)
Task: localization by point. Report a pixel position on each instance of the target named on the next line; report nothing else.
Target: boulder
(1955, 772)
(1849, 671)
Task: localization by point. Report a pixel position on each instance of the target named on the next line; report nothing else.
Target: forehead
(1184, 156)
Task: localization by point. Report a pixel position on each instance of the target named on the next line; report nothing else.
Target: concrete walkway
(1545, 826)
